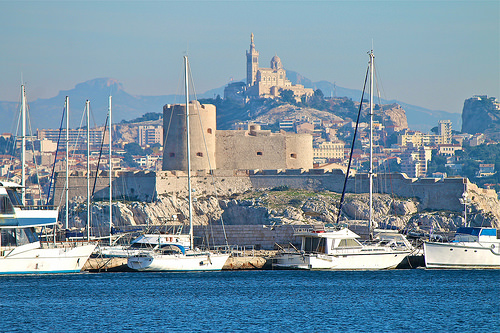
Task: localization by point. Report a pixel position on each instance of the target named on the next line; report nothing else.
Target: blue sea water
(253, 301)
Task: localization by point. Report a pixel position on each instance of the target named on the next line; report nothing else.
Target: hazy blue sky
(430, 53)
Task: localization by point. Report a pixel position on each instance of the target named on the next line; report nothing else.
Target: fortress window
(199, 154)
(259, 153)
(172, 154)
(293, 155)
(209, 131)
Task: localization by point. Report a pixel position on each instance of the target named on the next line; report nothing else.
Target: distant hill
(419, 118)
(46, 113)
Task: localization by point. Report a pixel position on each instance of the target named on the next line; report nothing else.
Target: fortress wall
(138, 185)
(238, 150)
(226, 183)
(433, 194)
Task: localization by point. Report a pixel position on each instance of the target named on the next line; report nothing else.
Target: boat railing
(36, 207)
(242, 250)
(69, 244)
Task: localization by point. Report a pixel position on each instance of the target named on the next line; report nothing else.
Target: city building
(486, 170)
(417, 139)
(414, 161)
(327, 151)
(150, 134)
(448, 149)
(77, 137)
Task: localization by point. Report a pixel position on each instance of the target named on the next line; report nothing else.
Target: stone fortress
(211, 149)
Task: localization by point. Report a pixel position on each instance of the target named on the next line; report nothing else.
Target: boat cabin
(475, 234)
(326, 241)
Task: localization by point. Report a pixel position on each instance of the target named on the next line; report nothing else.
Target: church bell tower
(252, 63)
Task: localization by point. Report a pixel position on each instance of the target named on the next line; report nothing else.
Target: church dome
(276, 63)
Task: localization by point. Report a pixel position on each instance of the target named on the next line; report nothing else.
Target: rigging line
(78, 134)
(14, 141)
(92, 115)
(377, 81)
(352, 147)
(33, 152)
(210, 167)
(55, 160)
(100, 155)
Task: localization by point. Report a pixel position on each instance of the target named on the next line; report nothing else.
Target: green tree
(133, 148)
(287, 96)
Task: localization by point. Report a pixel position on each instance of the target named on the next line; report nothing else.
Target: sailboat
(175, 257)
(154, 237)
(329, 248)
(21, 252)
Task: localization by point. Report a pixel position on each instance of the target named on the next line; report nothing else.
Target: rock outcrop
(393, 115)
(481, 115)
(291, 207)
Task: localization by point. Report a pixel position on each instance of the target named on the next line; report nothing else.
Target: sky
(433, 54)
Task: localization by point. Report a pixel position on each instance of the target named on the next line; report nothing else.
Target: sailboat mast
(370, 173)
(186, 75)
(87, 107)
(23, 145)
(66, 222)
(110, 171)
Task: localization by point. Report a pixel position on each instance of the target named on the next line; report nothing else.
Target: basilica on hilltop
(264, 82)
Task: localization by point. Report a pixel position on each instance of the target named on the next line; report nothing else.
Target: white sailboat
(20, 250)
(333, 249)
(178, 258)
(154, 237)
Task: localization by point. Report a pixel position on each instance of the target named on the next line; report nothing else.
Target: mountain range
(47, 113)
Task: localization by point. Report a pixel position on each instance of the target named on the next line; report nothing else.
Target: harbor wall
(261, 237)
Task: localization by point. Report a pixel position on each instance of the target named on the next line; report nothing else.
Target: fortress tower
(202, 124)
(252, 63)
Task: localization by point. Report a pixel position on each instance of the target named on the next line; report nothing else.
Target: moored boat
(174, 257)
(472, 247)
(334, 249)
(21, 252)
(339, 249)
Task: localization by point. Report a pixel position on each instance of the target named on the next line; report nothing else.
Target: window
(293, 155)
(5, 205)
(199, 154)
(314, 245)
(172, 154)
(348, 243)
(259, 153)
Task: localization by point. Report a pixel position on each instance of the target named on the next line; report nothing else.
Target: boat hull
(462, 255)
(174, 262)
(352, 261)
(36, 260)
